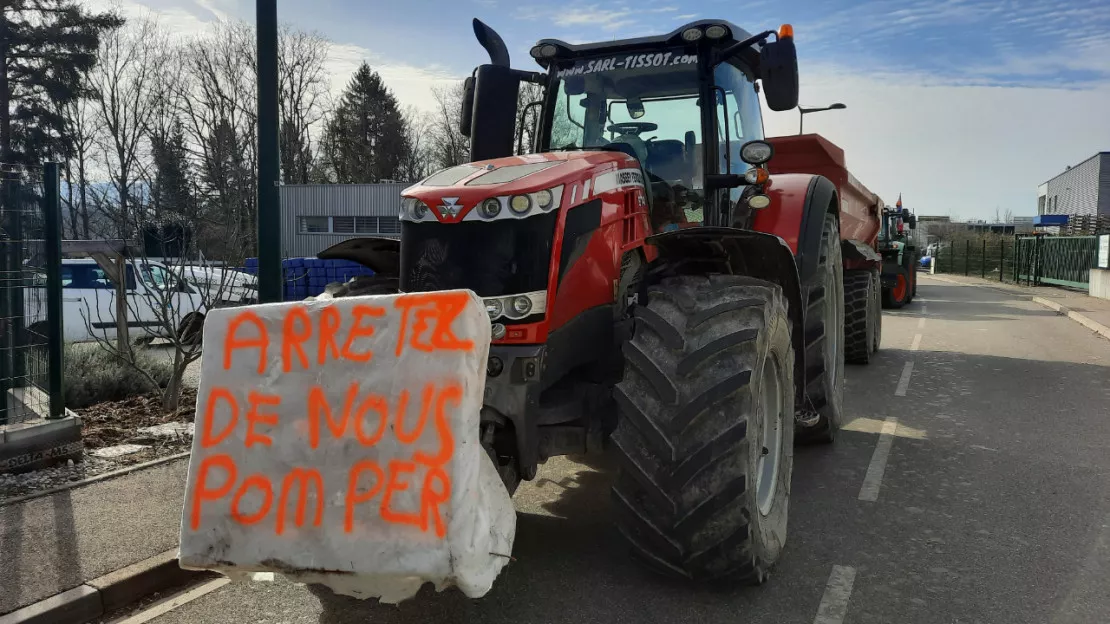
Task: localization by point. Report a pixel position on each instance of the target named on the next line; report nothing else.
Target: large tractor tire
(824, 336)
(859, 316)
(898, 295)
(706, 432)
(876, 309)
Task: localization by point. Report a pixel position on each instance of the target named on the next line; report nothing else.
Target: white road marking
(873, 480)
(834, 604)
(984, 448)
(904, 382)
(916, 342)
(165, 606)
(262, 576)
(921, 321)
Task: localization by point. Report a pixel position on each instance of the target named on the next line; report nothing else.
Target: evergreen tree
(45, 48)
(365, 137)
(172, 189)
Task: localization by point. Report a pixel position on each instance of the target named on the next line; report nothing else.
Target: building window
(348, 225)
(313, 225)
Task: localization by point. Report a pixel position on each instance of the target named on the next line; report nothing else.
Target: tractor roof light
(786, 31)
(544, 51)
(692, 34)
(716, 31)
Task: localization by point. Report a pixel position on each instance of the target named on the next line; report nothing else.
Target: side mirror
(467, 106)
(493, 112)
(912, 221)
(778, 68)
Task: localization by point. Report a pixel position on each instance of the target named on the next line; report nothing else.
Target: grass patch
(92, 375)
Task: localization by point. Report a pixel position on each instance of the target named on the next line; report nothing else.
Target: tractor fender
(799, 203)
(380, 255)
(734, 251)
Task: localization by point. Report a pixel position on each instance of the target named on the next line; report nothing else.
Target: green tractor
(901, 255)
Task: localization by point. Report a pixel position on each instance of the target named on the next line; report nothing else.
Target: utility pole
(802, 112)
(269, 201)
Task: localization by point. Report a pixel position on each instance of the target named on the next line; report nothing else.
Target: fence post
(983, 260)
(1036, 261)
(1002, 260)
(16, 325)
(967, 257)
(52, 245)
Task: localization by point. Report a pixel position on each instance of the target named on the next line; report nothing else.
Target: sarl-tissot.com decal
(632, 61)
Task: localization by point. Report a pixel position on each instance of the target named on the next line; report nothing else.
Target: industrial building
(317, 216)
(1080, 191)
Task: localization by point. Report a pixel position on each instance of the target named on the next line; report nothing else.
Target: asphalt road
(992, 506)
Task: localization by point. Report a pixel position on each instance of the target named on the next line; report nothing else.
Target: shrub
(93, 375)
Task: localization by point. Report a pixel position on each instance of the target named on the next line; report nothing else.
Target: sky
(963, 107)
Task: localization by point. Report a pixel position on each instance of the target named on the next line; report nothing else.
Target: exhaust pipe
(492, 42)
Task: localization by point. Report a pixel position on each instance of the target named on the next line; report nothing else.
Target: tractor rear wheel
(705, 434)
(898, 295)
(859, 318)
(824, 337)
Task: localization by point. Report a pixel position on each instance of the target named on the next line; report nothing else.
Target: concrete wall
(1100, 283)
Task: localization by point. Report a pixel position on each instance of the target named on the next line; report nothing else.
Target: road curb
(1092, 325)
(107, 593)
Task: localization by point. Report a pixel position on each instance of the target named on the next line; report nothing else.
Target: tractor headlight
(413, 209)
(520, 204)
(522, 305)
(494, 308)
(544, 199)
(491, 208)
(756, 152)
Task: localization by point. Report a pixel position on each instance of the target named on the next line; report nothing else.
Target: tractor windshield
(648, 106)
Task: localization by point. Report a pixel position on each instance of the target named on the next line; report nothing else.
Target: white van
(89, 302)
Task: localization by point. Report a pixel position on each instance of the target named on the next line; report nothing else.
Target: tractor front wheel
(706, 429)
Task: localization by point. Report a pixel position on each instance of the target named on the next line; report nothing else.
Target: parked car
(89, 302)
(221, 286)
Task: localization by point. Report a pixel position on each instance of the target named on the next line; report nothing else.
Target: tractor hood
(453, 194)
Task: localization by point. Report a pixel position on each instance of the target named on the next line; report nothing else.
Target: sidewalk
(1082, 305)
(58, 542)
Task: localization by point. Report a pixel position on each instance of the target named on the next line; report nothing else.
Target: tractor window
(646, 106)
(741, 104)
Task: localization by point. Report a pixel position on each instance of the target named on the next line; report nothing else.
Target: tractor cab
(684, 105)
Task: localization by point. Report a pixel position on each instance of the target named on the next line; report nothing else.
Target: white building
(1082, 190)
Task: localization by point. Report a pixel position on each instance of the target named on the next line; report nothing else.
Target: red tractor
(651, 283)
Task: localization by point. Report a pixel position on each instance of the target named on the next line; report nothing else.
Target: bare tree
(414, 164)
(79, 133)
(447, 146)
(130, 60)
(219, 112)
(302, 83)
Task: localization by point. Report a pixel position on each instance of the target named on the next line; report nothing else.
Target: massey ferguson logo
(450, 207)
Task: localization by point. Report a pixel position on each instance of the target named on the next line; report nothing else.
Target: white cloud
(960, 150)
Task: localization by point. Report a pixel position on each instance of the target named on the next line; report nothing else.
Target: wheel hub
(772, 421)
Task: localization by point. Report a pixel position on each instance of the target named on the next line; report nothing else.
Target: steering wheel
(632, 127)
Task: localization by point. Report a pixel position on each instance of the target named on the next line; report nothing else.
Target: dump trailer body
(814, 154)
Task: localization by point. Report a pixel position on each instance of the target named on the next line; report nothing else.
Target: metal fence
(30, 296)
(1031, 260)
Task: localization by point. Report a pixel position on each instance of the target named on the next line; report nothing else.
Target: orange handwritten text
(233, 341)
(431, 316)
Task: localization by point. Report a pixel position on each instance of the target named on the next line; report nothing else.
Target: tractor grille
(493, 259)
